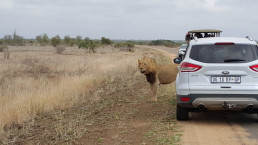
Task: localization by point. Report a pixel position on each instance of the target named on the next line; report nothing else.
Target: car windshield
(183, 47)
(235, 53)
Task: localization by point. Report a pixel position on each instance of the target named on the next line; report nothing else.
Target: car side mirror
(177, 60)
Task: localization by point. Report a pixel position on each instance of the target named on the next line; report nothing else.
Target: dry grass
(37, 80)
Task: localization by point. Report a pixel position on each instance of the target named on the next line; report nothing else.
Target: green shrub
(105, 41)
(127, 44)
(130, 44)
(31, 42)
(1, 41)
(167, 43)
(72, 42)
(8, 39)
(67, 40)
(2, 45)
(78, 40)
(42, 39)
(55, 41)
(88, 44)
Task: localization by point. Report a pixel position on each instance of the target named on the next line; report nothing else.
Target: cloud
(6, 4)
(123, 19)
(202, 6)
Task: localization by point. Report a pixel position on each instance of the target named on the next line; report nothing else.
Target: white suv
(219, 73)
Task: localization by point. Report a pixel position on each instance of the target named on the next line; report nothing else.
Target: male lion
(157, 74)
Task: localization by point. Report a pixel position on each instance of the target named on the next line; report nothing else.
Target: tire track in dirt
(217, 128)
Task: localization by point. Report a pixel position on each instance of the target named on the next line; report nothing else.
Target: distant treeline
(167, 43)
(14, 40)
(43, 40)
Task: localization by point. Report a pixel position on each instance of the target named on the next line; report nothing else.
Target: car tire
(181, 113)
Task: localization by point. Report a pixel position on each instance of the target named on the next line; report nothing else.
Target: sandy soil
(216, 128)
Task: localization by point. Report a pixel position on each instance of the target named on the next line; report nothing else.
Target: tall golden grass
(36, 79)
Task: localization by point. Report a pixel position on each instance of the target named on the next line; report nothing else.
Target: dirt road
(218, 128)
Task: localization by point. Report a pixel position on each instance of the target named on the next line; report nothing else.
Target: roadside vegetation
(167, 43)
(87, 97)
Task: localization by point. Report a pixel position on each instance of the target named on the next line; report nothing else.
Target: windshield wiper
(233, 60)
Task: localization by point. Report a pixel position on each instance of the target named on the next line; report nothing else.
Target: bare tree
(60, 49)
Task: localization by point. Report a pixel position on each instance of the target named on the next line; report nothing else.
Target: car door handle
(225, 87)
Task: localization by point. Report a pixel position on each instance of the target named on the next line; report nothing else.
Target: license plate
(228, 79)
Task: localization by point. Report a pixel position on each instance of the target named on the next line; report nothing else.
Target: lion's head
(146, 65)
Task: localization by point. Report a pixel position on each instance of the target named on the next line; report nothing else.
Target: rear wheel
(181, 113)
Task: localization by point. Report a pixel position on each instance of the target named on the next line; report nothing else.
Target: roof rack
(201, 33)
(205, 31)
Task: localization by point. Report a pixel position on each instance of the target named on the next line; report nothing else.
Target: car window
(183, 46)
(237, 53)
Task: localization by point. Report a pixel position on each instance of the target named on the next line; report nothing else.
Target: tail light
(185, 99)
(188, 67)
(254, 68)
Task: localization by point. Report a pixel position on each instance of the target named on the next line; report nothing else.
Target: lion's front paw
(154, 99)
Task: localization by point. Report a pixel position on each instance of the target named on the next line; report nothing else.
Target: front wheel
(181, 113)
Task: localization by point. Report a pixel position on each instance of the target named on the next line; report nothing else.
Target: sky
(128, 19)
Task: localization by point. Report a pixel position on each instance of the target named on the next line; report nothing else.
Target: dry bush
(6, 53)
(60, 49)
(35, 66)
(126, 49)
(2, 47)
(125, 46)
